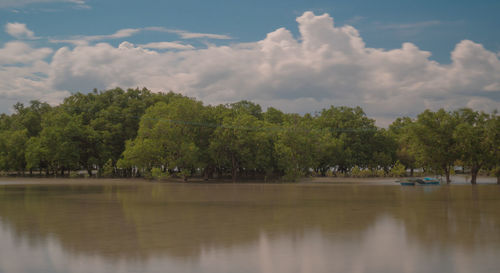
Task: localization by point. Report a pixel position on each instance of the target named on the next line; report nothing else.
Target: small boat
(430, 181)
(406, 182)
(421, 181)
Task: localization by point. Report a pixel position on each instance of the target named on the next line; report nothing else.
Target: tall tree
(297, 146)
(400, 131)
(433, 137)
(353, 131)
(169, 133)
(241, 143)
(60, 140)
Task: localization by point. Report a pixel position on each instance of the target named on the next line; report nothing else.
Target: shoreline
(456, 180)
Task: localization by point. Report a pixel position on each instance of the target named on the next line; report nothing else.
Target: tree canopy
(135, 132)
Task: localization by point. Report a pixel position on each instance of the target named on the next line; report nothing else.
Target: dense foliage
(137, 133)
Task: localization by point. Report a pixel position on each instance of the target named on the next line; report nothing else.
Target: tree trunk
(205, 174)
(447, 172)
(474, 170)
(498, 180)
(208, 173)
(411, 172)
(234, 169)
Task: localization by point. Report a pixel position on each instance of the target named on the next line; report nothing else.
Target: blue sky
(181, 30)
(436, 26)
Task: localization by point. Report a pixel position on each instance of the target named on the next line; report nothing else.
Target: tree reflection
(117, 220)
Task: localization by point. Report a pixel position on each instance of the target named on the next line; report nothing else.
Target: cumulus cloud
(325, 65)
(21, 53)
(19, 31)
(23, 74)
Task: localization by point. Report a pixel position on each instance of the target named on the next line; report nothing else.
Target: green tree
(274, 116)
(477, 140)
(12, 149)
(247, 107)
(168, 135)
(60, 140)
(433, 139)
(297, 146)
(493, 135)
(400, 131)
(353, 132)
(241, 143)
(36, 154)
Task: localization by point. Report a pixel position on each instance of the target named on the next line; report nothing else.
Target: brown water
(123, 226)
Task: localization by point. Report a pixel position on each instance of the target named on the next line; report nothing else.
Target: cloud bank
(325, 65)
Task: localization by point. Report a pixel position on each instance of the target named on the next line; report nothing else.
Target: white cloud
(82, 40)
(167, 45)
(326, 65)
(194, 35)
(19, 31)
(21, 3)
(23, 74)
(21, 53)
(128, 32)
(190, 35)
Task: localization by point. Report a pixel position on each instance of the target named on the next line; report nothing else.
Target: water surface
(124, 226)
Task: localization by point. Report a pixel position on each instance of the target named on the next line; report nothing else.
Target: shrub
(398, 170)
(108, 169)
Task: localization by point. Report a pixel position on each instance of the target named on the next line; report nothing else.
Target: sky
(391, 57)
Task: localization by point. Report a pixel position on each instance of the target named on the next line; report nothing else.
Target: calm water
(123, 226)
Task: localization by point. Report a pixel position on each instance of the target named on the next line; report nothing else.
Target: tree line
(138, 133)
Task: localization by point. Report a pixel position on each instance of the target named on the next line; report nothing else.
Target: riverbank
(456, 179)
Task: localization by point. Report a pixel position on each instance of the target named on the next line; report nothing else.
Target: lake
(136, 226)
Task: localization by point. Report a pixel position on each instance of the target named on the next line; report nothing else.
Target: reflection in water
(148, 227)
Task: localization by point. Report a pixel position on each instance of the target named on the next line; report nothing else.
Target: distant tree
(36, 154)
(353, 132)
(297, 146)
(493, 135)
(241, 143)
(169, 134)
(12, 149)
(274, 116)
(60, 140)
(434, 142)
(247, 107)
(477, 140)
(400, 131)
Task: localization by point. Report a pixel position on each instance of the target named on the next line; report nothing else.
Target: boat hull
(420, 181)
